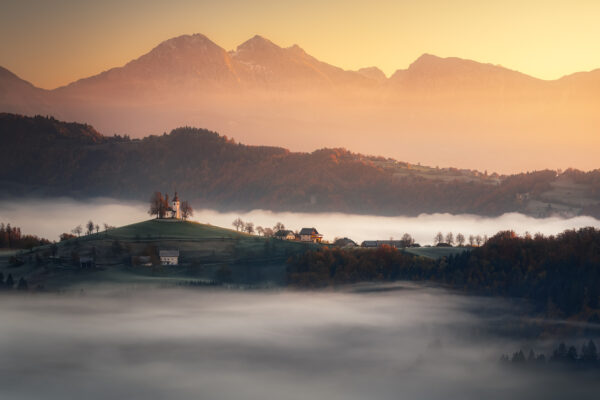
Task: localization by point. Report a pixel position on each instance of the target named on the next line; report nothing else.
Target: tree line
(562, 356)
(10, 284)
(12, 238)
(248, 227)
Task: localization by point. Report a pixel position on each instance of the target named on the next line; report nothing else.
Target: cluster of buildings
(305, 235)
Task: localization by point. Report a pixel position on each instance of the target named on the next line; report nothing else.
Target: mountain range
(439, 111)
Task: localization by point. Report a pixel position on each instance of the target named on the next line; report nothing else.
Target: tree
(439, 238)
(97, 228)
(407, 240)
(77, 230)
(478, 240)
(450, 238)
(90, 227)
(238, 223)
(66, 236)
(260, 230)
(157, 205)
(249, 227)
(10, 282)
(589, 353)
(472, 240)
(278, 227)
(460, 239)
(22, 285)
(186, 210)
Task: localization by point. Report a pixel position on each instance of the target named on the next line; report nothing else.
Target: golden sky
(53, 42)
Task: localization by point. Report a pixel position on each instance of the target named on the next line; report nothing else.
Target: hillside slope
(207, 255)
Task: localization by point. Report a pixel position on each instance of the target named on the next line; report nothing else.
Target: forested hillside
(41, 156)
(560, 274)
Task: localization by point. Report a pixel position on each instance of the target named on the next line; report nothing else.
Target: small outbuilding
(284, 235)
(169, 257)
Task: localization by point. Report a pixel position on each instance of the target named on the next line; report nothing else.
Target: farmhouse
(284, 235)
(310, 235)
(169, 257)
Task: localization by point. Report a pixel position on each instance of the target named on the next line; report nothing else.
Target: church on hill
(170, 210)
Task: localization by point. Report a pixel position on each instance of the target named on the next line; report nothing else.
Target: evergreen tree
(10, 282)
(22, 284)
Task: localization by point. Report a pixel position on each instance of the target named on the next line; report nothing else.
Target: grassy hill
(208, 254)
(174, 229)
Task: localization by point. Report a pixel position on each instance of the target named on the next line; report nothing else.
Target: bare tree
(90, 227)
(450, 238)
(238, 223)
(97, 227)
(77, 230)
(260, 230)
(472, 240)
(158, 206)
(408, 240)
(186, 210)
(249, 227)
(460, 239)
(439, 238)
(478, 240)
(278, 227)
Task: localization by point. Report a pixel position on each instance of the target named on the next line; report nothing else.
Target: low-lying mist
(365, 342)
(51, 217)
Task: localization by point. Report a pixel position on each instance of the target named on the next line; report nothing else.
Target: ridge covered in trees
(560, 274)
(45, 157)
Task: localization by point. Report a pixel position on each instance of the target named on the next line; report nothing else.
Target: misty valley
(402, 339)
(418, 217)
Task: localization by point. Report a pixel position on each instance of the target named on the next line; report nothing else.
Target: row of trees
(89, 228)
(459, 240)
(9, 283)
(160, 206)
(248, 227)
(562, 355)
(12, 238)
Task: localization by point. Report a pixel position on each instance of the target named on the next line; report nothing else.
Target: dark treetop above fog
(44, 157)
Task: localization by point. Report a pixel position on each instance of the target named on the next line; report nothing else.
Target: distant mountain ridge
(266, 94)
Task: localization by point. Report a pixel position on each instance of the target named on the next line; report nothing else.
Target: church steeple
(175, 207)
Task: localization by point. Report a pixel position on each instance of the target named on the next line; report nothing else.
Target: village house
(310, 235)
(284, 235)
(169, 257)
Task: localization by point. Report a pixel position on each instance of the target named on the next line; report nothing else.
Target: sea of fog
(363, 342)
(51, 217)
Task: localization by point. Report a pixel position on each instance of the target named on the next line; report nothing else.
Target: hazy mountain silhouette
(446, 111)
